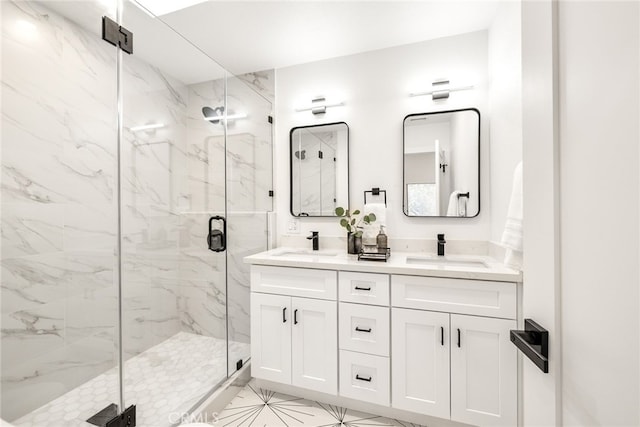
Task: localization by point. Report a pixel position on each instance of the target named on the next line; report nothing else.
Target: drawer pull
(441, 335)
(358, 377)
(458, 337)
(359, 329)
(284, 315)
(358, 288)
(295, 316)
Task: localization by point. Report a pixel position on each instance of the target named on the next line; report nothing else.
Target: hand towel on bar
(370, 232)
(512, 235)
(452, 209)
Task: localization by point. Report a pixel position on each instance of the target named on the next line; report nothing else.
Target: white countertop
(396, 264)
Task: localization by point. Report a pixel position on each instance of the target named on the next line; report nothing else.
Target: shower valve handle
(217, 239)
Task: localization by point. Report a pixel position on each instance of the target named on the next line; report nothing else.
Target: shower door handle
(217, 239)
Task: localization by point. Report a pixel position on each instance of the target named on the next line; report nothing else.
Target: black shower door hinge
(270, 119)
(109, 417)
(270, 193)
(320, 154)
(117, 35)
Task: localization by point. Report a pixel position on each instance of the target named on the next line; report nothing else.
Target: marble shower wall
(58, 215)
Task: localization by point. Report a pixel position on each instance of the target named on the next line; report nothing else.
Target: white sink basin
(446, 262)
(305, 253)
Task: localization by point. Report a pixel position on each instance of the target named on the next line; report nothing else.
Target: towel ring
(375, 192)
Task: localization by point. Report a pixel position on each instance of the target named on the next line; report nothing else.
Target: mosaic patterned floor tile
(254, 406)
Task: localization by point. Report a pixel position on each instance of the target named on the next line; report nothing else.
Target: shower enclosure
(125, 215)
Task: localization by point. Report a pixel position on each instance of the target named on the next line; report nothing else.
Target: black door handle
(284, 315)
(358, 377)
(295, 316)
(217, 239)
(441, 335)
(458, 337)
(358, 288)
(359, 329)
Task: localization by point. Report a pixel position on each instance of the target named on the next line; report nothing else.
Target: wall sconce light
(319, 105)
(151, 126)
(441, 89)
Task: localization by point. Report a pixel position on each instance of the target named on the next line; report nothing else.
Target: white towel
(452, 209)
(512, 235)
(370, 232)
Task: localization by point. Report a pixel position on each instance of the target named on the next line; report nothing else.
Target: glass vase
(354, 243)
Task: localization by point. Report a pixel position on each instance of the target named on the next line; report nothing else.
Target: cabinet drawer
(364, 377)
(366, 288)
(364, 328)
(297, 282)
(477, 297)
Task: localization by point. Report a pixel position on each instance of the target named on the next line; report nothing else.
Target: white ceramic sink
(446, 262)
(305, 253)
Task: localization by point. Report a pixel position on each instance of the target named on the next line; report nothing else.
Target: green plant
(350, 221)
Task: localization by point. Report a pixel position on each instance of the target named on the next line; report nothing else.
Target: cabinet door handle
(442, 335)
(284, 315)
(358, 377)
(359, 329)
(358, 288)
(295, 316)
(458, 337)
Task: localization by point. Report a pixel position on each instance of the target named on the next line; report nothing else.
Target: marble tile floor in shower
(254, 406)
(166, 379)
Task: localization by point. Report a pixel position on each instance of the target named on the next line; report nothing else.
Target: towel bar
(375, 192)
(534, 343)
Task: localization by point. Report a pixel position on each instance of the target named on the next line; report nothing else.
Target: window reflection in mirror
(319, 163)
(441, 155)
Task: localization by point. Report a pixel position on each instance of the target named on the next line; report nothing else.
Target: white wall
(505, 98)
(582, 195)
(542, 405)
(375, 87)
(599, 133)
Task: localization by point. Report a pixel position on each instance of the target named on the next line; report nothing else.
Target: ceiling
(245, 36)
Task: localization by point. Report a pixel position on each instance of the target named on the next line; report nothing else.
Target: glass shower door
(249, 201)
(174, 308)
(58, 213)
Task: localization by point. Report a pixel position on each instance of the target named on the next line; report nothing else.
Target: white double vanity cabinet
(429, 340)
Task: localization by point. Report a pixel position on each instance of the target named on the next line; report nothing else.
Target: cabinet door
(314, 336)
(271, 319)
(420, 361)
(483, 371)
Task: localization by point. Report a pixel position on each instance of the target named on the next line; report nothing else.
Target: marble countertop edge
(396, 264)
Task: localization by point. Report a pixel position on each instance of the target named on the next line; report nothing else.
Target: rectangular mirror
(319, 162)
(441, 164)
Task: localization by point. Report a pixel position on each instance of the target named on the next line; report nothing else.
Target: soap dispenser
(381, 240)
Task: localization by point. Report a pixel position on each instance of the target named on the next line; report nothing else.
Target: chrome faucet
(441, 243)
(314, 238)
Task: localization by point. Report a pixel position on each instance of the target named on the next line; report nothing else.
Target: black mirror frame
(404, 207)
(291, 168)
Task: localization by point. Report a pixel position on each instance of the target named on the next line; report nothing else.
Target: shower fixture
(300, 154)
(215, 115)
